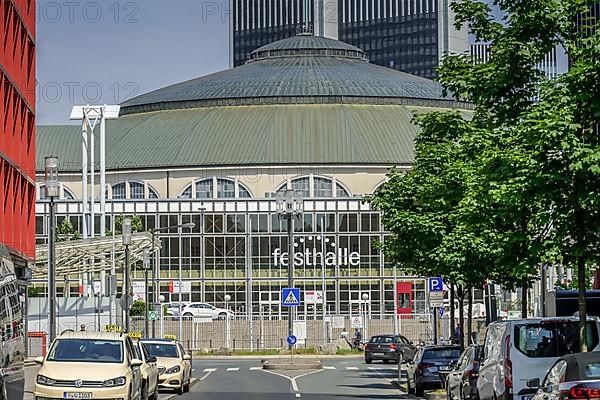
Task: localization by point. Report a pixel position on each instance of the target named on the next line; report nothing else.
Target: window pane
(204, 189)
(119, 191)
(137, 190)
(302, 185)
(225, 189)
(323, 187)
(341, 192)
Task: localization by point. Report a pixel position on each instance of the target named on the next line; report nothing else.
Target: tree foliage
(518, 183)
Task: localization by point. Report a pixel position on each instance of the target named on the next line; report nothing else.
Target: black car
(462, 380)
(574, 376)
(424, 370)
(387, 348)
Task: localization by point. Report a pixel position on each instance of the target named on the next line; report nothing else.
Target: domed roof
(298, 70)
(308, 42)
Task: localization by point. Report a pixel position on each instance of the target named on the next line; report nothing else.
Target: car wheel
(409, 387)
(187, 386)
(188, 314)
(368, 361)
(181, 389)
(222, 315)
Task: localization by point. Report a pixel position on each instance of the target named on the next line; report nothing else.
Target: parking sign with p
(436, 284)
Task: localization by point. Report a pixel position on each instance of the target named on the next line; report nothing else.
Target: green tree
(137, 309)
(539, 184)
(66, 231)
(136, 224)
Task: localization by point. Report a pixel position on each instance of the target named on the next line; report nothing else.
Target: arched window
(66, 193)
(137, 191)
(216, 188)
(316, 186)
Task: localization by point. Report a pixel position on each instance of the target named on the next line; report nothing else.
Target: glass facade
(240, 247)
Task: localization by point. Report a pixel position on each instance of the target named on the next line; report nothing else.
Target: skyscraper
(17, 127)
(407, 35)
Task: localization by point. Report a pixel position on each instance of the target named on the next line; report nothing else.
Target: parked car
(90, 365)
(519, 351)
(205, 310)
(424, 370)
(462, 380)
(174, 364)
(172, 309)
(575, 376)
(387, 348)
(149, 372)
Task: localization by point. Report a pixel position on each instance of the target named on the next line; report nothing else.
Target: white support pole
(103, 173)
(92, 181)
(323, 285)
(84, 172)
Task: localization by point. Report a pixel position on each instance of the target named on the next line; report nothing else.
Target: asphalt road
(340, 379)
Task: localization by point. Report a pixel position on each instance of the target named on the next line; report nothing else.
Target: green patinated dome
(301, 100)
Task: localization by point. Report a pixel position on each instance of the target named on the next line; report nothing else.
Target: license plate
(528, 397)
(445, 368)
(73, 395)
(377, 354)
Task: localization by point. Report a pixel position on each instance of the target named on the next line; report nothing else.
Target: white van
(517, 351)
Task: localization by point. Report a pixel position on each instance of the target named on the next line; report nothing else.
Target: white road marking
(328, 367)
(352, 368)
(293, 380)
(255, 368)
(298, 395)
(232, 369)
(208, 372)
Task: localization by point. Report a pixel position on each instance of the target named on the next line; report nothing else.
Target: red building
(17, 130)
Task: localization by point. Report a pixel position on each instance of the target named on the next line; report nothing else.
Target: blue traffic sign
(290, 297)
(441, 311)
(436, 284)
(292, 340)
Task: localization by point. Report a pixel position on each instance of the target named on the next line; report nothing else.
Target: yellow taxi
(90, 365)
(174, 365)
(149, 369)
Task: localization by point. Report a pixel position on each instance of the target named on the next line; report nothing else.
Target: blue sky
(106, 51)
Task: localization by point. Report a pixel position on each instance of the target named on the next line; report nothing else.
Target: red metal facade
(17, 127)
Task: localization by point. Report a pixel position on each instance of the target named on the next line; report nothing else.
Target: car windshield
(552, 338)
(87, 350)
(164, 350)
(437, 354)
(382, 339)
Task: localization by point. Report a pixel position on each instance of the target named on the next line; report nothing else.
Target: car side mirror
(39, 360)
(533, 383)
(152, 359)
(135, 362)
(187, 357)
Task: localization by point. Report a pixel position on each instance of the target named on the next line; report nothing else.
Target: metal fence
(242, 333)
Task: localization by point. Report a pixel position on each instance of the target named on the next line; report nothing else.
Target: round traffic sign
(292, 340)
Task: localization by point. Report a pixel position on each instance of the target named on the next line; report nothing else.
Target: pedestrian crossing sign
(290, 297)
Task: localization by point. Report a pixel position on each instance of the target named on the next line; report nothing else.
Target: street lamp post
(126, 233)
(228, 321)
(52, 193)
(365, 297)
(156, 267)
(289, 206)
(146, 267)
(161, 300)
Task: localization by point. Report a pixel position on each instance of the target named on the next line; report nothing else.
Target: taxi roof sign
(113, 328)
(135, 335)
(171, 337)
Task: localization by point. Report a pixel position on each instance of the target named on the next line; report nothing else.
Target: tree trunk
(524, 291)
(461, 315)
(470, 317)
(452, 313)
(582, 304)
